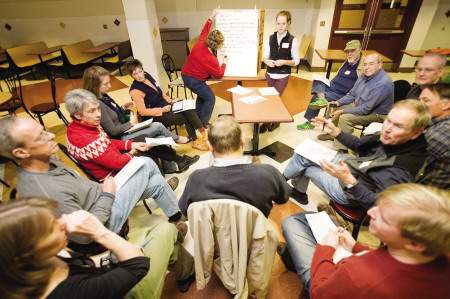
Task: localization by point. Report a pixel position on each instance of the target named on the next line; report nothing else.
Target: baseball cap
(352, 45)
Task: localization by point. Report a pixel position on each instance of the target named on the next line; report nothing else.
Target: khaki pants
(347, 122)
(165, 252)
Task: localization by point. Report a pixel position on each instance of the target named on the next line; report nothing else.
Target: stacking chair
(123, 53)
(41, 109)
(356, 216)
(11, 100)
(303, 48)
(174, 80)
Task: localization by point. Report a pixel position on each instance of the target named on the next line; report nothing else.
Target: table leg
(255, 151)
(329, 65)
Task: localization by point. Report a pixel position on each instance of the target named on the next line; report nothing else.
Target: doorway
(380, 25)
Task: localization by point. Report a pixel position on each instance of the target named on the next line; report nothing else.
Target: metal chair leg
(40, 120)
(185, 93)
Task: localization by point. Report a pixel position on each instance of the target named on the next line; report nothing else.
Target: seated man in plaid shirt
(436, 171)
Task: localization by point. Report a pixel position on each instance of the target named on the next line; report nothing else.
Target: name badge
(347, 73)
(285, 45)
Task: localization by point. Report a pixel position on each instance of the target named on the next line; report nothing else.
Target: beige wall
(33, 21)
(439, 33)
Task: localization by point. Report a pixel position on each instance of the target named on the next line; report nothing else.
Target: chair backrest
(125, 50)
(64, 149)
(14, 93)
(75, 54)
(304, 45)
(217, 227)
(169, 67)
(401, 89)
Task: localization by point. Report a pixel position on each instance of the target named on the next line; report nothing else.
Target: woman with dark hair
(116, 122)
(150, 101)
(202, 63)
(34, 263)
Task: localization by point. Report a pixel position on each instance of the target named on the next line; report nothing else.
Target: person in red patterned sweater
(103, 157)
(204, 62)
(413, 221)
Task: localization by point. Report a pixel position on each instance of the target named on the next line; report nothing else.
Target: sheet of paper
(127, 171)
(268, 91)
(252, 99)
(183, 106)
(160, 141)
(314, 151)
(239, 90)
(373, 128)
(320, 224)
(139, 126)
(321, 79)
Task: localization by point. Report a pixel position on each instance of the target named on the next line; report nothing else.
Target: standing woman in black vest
(280, 55)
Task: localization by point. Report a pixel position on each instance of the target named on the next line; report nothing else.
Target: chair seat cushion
(348, 213)
(114, 59)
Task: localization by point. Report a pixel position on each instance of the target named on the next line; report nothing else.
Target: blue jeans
(155, 129)
(317, 87)
(301, 245)
(205, 97)
(302, 170)
(146, 182)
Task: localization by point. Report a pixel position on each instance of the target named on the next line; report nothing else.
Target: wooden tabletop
(46, 51)
(101, 48)
(339, 55)
(270, 110)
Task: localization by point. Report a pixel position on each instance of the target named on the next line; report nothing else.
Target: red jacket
(92, 147)
(376, 275)
(201, 63)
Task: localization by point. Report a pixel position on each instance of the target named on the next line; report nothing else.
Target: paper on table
(315, 151)
(320, 224)
(268, 91)
(127, 171)
(139, 126)
(322, 79)
(252, 99)
(373, 128)
(183, 106)
(239, 90)
(160, 141)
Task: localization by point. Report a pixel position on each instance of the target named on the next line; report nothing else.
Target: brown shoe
(200, 144)
(325, 137)
(173, 182)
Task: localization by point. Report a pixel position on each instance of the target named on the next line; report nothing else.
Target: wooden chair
(303, 48)
(11, 100)
(123, 53)
(174, 80)
(75, 59)
(356, 216)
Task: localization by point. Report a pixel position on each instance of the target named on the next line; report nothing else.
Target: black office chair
(64, 149)
(174, 80)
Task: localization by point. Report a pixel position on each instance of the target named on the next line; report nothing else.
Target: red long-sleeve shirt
(201, 63)
(92, 147)
(376, 275)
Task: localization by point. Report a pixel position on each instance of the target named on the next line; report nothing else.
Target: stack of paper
(252, 99)
(183, 106)
(315, 151)
(139, 126)
(160, 141)
(321, 224)
(238, 89)
(268, 91)
(321, 79)
(127, 171)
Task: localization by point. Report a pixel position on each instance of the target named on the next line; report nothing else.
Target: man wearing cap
(341, 84)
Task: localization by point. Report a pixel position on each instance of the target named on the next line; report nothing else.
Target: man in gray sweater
(368, 101)
(41, 174)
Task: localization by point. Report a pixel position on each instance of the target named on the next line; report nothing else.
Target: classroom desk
(268, 111)
(101, 48)
(414, 53)
(331, 56)
(41, 53)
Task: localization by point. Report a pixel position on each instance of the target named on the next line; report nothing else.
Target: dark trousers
(189, 118)
(205, 97)
(278, 84)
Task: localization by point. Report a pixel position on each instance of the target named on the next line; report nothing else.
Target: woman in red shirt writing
(202, 63)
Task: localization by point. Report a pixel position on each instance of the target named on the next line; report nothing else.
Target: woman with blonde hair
(202, 63)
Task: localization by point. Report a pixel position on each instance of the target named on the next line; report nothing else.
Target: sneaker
(305, 126)
(325, 137)
(183, 140)
(183, 285)
(186, 161)
(300, 197)
(173, 182)
(318, 104)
